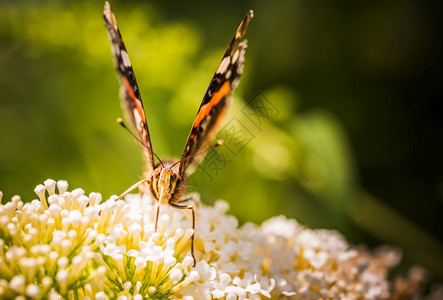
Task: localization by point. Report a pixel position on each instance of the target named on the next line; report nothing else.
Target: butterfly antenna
(122, 124)
(218, 143)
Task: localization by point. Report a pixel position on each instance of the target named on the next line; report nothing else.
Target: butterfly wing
(216, 100)
(130, 93)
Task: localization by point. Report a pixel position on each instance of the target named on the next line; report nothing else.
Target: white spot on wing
(224, 65)
(125, 58)
(235, 57)
(228, 74)
(138, 119)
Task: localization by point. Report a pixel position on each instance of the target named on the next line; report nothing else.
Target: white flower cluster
(67, 245)
(49, 246)
(71, 246)
(282, 259)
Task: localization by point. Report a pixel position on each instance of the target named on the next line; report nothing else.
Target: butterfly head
(164, 183)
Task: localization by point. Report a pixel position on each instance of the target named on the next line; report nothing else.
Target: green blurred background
(352, 140)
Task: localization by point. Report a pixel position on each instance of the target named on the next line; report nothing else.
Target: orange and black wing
(216, 100)
(130, 93)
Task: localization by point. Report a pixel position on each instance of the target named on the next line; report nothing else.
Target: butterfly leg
(156, 215)
(188, 198)
(133, 187)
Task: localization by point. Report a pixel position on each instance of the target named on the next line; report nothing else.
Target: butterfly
(166, 180)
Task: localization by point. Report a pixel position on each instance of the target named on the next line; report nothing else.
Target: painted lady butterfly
(166, 180)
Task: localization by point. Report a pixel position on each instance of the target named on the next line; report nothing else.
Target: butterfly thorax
(165, 184)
